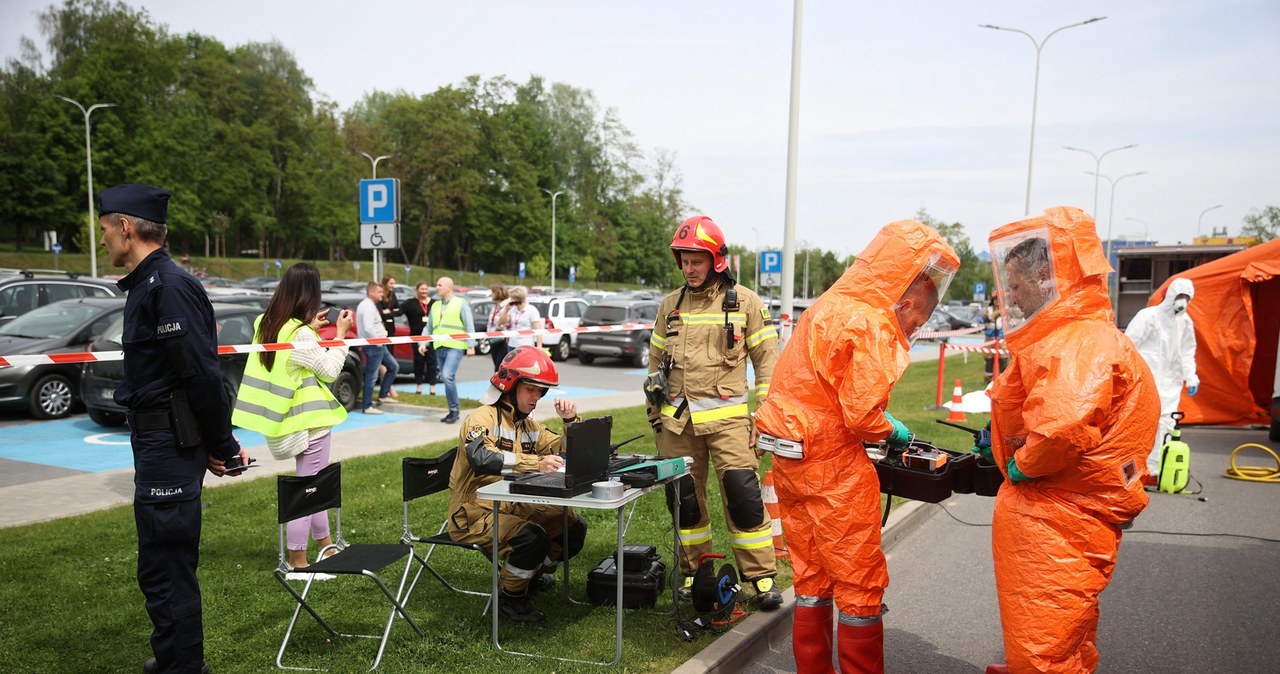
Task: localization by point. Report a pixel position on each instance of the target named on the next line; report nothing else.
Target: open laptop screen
(587, 448)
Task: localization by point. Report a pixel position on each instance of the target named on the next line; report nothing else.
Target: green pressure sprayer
(1175, 459)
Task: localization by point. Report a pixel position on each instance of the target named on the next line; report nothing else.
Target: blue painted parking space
(80, 444)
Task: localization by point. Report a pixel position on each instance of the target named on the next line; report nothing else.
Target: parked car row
(234, 323)
(22, 290)
(62, 313)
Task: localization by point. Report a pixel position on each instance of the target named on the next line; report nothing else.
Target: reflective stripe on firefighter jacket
(275, 403)
(450, 323)
(707, 384)
(506, 444)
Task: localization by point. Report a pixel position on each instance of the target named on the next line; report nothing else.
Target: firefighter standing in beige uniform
(697, 393)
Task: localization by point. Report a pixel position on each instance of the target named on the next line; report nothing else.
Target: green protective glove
(901, 436)
(1015, 474)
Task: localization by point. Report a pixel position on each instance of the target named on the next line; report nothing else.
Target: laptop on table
(586, 460)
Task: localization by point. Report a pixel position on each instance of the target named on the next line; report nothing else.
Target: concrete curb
(758, 633)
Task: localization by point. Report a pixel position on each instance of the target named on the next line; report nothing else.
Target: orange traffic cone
(770, 498)
(957, 404)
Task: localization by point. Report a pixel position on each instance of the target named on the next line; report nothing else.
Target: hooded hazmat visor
(1024, 272)
(923, 295)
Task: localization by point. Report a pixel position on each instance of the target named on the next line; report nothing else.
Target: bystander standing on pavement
(520, 315)
(415, 311)
(449, 315)
(498, 346)
(369, 324)
(1072, 420)
(178, 413)
(388, 309)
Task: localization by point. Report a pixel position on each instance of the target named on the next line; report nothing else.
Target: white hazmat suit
(1166, 339)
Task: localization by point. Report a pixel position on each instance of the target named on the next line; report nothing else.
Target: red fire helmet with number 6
(700, 233)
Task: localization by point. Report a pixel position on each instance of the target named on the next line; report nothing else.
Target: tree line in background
(260, 165)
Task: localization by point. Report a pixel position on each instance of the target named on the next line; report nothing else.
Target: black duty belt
(149, 421)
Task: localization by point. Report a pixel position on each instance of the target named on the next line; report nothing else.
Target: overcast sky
(903, 105)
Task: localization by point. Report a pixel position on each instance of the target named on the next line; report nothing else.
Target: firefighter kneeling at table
(829, 394)
(697, 403)
(499, 437)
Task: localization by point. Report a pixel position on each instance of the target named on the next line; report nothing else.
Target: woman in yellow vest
(284, 394)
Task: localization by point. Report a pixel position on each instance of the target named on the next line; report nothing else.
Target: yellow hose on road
(1254, 473)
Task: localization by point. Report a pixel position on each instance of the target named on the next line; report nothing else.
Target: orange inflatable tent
(1236, 312)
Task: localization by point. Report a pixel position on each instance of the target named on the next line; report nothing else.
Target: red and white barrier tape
(985, 348)
(949, 333)
(101, 356)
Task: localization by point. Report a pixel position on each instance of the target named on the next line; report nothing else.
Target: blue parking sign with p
(379, 201)
(771, 262)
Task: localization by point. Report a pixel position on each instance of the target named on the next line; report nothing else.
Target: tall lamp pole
(1145, 234)
(88, 158)
(377, 253)
(1111, 214)
(1036, 90)
(1200, 219)
(757, 258)
(1097, 168)
(553, 234)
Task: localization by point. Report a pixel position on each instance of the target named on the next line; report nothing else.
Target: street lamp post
(377, 253)
(757, 258)
(1111, 214)
(1145, 235)
(1036, 90)
(1200, 219)
(553, 234)
(1097, 168)
(88, 159)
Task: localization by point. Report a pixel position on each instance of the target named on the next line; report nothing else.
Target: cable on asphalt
(1136, 531)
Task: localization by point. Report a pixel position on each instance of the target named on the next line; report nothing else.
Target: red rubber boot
(997, 669)
(862, 648)
(811, 639)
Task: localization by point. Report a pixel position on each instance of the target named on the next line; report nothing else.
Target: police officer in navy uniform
(178, 413)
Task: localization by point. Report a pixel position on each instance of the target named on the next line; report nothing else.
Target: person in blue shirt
(178, 412)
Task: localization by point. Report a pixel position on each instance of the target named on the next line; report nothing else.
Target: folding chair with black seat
(303, 496)
(423, 477)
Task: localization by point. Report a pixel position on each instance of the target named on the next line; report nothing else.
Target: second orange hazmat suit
(1076, 410)
(829, 391)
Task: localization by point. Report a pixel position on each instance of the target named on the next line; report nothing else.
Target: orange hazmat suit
(1076, 410)
(829, 391)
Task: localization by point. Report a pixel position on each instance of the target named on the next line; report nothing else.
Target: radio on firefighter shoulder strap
(730, 304)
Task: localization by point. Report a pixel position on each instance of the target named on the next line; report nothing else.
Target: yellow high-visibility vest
(448, 324)
(275, 403)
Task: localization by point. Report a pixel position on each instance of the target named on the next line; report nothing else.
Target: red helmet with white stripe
(523, 363)
(700, 233)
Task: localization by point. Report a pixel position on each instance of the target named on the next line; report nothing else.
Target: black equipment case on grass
(643, 578)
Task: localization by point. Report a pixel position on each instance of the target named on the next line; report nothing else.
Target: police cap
(140, 201)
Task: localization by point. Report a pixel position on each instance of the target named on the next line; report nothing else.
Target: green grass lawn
(70, 603)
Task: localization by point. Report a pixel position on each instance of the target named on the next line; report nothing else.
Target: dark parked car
(235, 326)
(24, 290)
(49, 391)
(631, 344)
